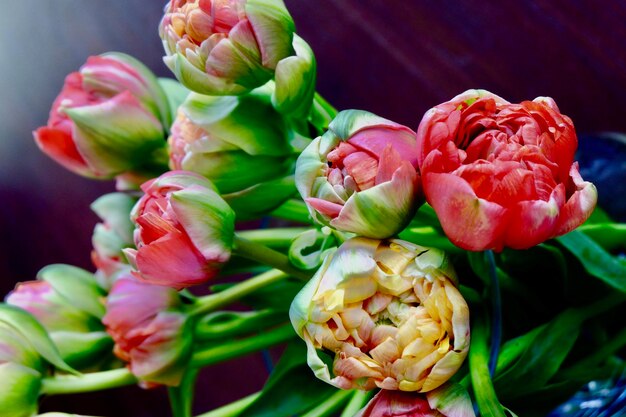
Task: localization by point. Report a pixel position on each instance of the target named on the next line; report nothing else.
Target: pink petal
(324, 207)
(374, 140)
(469, 222)
(58, 145)
(173, 261)
(362, 167)
(389, 162)
(579, 206)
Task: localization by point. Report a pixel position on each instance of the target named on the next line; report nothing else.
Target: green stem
(267, 256)
(330, 405)
(482, 384)
(236, 348)
(357, 402)
(294, 210)
(214, 326)
(97, 381)
(230, 295)
(233, 409)
(181, 397)
(276, 237)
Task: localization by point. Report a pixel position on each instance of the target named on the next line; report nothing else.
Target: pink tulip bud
(148, 330)
(184, 231)
(362, 170)
(110, 118)
(501, 174)
(218, 47)
(446, 401)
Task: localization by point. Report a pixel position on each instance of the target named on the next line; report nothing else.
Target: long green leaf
(596, 261)
(291, 389)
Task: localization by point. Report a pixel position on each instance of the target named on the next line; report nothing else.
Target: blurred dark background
(396, 59)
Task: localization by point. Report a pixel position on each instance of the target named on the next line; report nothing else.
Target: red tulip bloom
(501, 174)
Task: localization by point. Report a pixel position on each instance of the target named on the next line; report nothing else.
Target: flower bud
(20, 373)
(111, 236)
(450, 400)
(218, 47)
(149, 331)
(501, 174)
(67, 302)
(239, 143)
(110, 118)
(390, 313)
(360, 171)
(184, 231)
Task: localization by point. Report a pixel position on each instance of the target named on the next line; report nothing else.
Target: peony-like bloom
(241, 144)
(389, 312)
(501, 174)
(184, 231)
(67, 301)
(218, 47)
(111, 236)
(362, 170)
(149, 331)
(110, 118)
(449, 400)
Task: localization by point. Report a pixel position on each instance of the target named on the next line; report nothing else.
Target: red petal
(362, 168)
(579, 206)
(58, 145)
(470, 222)
(389, 162)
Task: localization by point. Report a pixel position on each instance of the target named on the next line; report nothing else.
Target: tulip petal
(207, 219)
(173, 261)
(273, 29)
(452, 198)
(58, 144)
(580, 204)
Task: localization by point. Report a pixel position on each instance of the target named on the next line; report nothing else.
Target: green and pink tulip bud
(388, 312)
(362, 170)
(241, 144)
(26, 352)
(500, 174)
(225, 47)
(449, 400)
(149, 330)
(184, 231)
(110, 118)
(67, 301)
(112, 236)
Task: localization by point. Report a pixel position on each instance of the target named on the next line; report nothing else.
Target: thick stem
(230, 295)
(236, 348)
(330, 405)
(232, 409)
(482, 384)
(276, 237)
(267, 256)
(97, 381)
(294, 210)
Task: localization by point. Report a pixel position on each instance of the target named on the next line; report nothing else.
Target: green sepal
(295, 81)
(76, 286)
(27, 326)
(20, 390)
(258, 200)
(82, 350)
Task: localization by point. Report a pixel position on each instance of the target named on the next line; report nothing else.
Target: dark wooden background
(395, 58)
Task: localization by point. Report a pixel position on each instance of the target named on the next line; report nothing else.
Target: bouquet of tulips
(458, 269)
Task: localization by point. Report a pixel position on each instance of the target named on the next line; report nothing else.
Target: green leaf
(610, 236)
(26, 325)
(542, 357)
(291, 388)
(596, 261)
